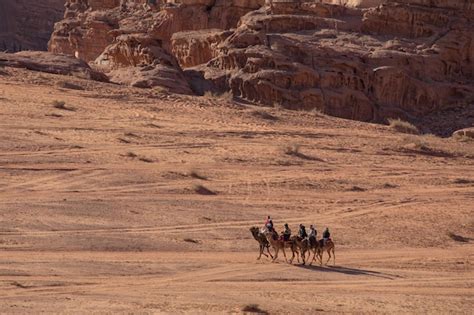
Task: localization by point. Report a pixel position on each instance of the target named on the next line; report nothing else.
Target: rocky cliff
(27, 25)
(358, 59)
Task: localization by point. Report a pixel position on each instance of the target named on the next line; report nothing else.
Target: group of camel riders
(286, 234)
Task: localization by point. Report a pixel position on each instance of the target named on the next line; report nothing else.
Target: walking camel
(262, 241)
(327, 246)
(278, 245)
(303, 246)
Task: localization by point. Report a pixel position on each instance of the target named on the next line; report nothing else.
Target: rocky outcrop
(467, 132)
(357, 59)
(27, 25)
(51, 63)
(140, 61)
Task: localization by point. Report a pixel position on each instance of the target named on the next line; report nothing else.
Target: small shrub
(190, 240)
(357, 189)
(55, 115)
(264, 115)
(222, 96)
(131, 155)
(61, 105)
(253, 308)
(145, 159)
(403, 126)
(195, 174)
(123, 140)
(200, 189)
(69, 85)
(131, 134)
(463, 181)
(458, 238)
(293, 150)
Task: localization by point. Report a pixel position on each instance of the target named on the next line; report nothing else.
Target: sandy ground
(99, 213)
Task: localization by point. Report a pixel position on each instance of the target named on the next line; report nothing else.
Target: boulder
(467, 132)
(51, 63)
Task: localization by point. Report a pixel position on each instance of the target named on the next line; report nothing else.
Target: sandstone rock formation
(27, 25)
(358, 59)
(50, 63)
(467, 132)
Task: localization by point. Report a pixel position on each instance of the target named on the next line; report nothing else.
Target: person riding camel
(269, 224)
(312, 235)
(286, 233)
(326, 235)
(302, 232)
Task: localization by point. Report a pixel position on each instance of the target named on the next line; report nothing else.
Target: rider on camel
(286, 233)
(312, 235)
(302, 232)
(269, 224)
(326, 235)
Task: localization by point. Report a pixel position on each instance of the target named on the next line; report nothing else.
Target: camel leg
(293, 251)
(284, 254)
(276, 254)
(334, 254)
(261, 251)
(314, 257)
(329, 258)
(303, 257)
(268, 250)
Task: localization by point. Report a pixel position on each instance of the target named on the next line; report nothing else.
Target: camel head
(255, 231)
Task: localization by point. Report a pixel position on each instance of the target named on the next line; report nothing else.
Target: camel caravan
(300, 245)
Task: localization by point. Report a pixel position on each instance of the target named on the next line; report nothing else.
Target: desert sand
(99, 210)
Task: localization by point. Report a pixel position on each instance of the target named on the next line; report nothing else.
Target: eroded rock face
(140, 61)
(27, 25)
(358, 59)
(350, 65)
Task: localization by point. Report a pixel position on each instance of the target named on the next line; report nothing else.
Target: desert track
(99, 213)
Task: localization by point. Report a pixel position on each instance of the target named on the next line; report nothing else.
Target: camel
(278, 244)
(262, 241)
(303, 246)
(328, 247)
(313, 247)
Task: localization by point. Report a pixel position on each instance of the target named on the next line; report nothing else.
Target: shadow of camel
(350, 271)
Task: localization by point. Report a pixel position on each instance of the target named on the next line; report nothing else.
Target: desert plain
(122, 200)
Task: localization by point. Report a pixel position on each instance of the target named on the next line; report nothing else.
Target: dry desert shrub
(61, 105)
(195, 174)
(458, 238)
(202, 190)
(253, 308)
(69, 85)
(190, 240)
(293, 150)
(222, 96)
(264, 115)
(403, 126)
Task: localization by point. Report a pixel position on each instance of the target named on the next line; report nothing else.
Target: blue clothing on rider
(269, 224)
